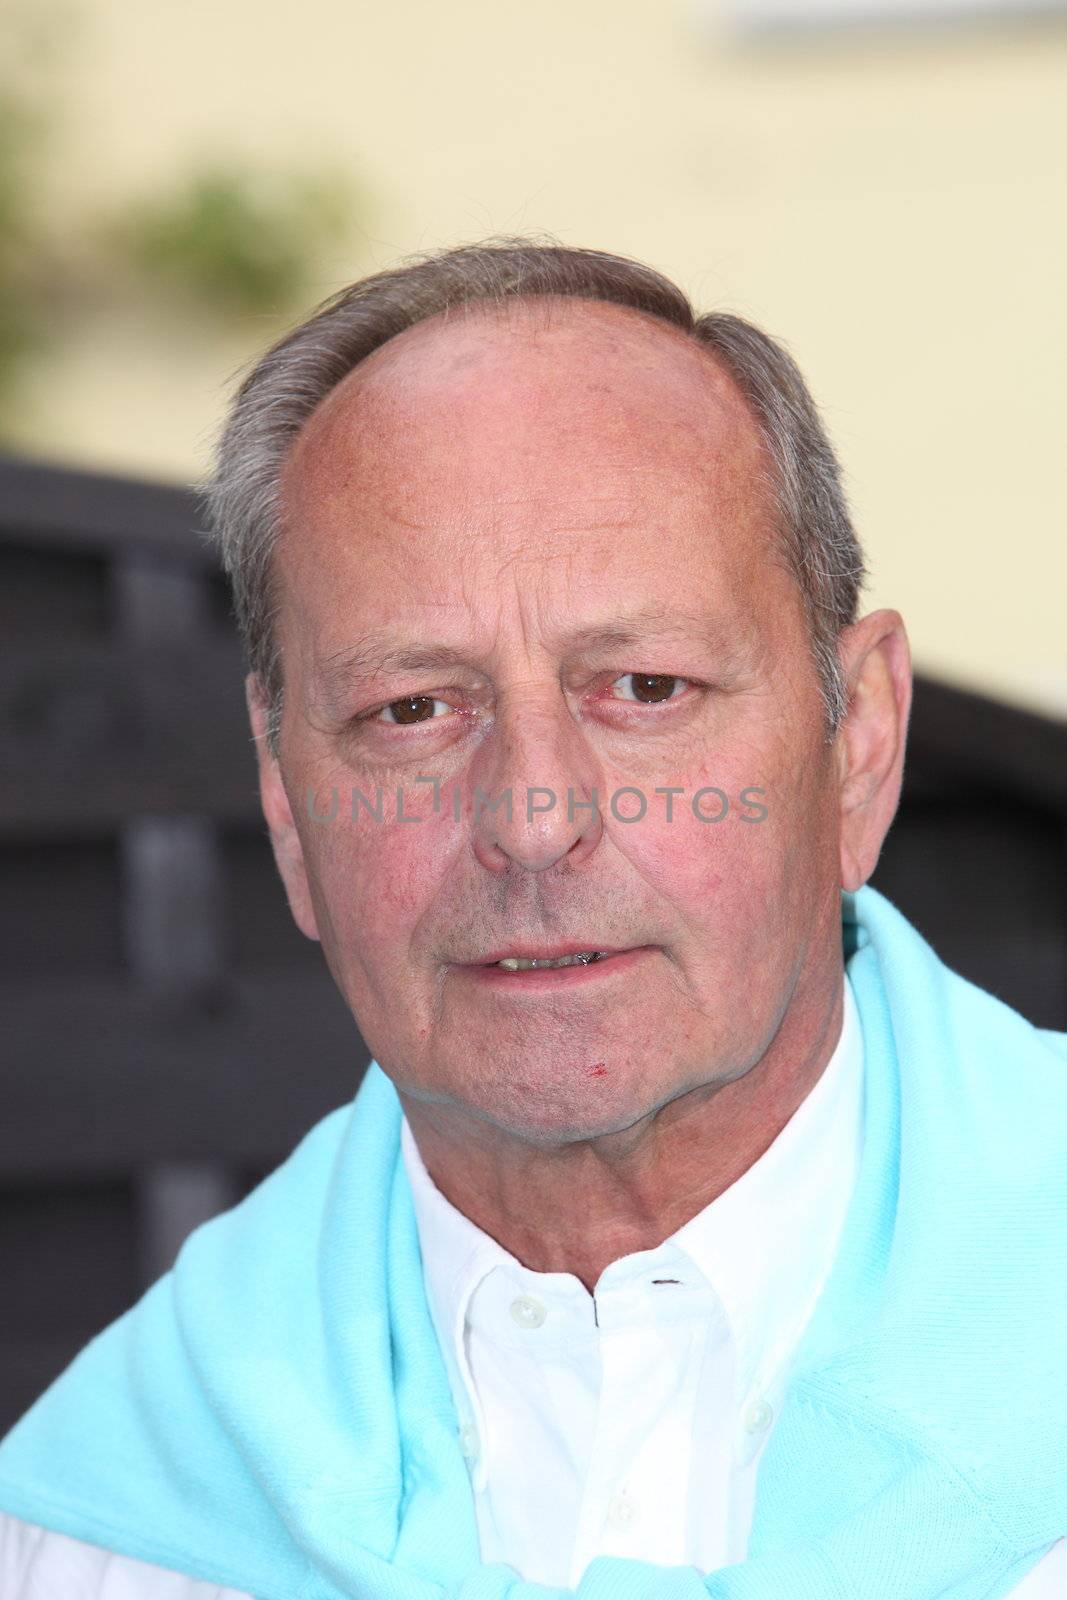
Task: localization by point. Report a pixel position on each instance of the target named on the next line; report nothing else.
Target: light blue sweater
(274, 1414)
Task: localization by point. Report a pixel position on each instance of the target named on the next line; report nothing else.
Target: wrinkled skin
(503, 484)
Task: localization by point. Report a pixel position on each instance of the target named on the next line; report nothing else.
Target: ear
(288, 850)
(869, 748)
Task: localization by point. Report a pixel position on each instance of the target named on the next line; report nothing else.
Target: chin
(549, 1113)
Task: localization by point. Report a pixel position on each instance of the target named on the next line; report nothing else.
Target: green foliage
(232, 241)
(221, 241)
(25, 128)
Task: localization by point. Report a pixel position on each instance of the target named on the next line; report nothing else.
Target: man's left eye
(650, 688)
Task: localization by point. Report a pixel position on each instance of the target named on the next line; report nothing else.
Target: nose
(533, 797)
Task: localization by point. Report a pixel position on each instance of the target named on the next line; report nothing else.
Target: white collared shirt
(631, 1421)
(628, 1422)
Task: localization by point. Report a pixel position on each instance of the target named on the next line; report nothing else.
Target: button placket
(758, 1415)
(622, 1510)
(527, 1311)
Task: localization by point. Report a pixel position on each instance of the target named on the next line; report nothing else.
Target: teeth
(524, 964)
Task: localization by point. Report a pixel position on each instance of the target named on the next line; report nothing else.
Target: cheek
(735, 876)
(380, 875)
(705, 853)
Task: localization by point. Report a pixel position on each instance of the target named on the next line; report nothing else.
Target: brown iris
(409, 710)
(648, 684)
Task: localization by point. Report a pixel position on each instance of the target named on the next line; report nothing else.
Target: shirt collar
(765, 1245)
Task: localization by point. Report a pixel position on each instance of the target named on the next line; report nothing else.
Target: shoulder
(1056, 1042)
(1047, 1579)
(38, 1564)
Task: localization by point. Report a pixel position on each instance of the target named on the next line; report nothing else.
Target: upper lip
(545, 952)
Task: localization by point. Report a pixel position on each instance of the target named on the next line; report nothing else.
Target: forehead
(566, 461)
(533, 388)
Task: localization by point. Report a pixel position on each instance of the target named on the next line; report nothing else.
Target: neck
(579, 1206)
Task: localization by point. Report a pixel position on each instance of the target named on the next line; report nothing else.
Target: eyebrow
(376, 655)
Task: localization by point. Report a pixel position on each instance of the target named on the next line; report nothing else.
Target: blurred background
(878, 183)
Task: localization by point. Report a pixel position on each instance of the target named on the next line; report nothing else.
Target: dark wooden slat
(159, 603)
(90, 733)
(987, 746)
(172, 903)
(984, 884)
(172, 898)
(174, 1198)
(75, 510)
(101, 1079)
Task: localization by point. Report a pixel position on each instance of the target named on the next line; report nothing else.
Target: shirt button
(622, 1510)
(758, 1416)
(468, 1441)
(528, 1312)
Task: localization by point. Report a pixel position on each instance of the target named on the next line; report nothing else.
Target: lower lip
(535, 980)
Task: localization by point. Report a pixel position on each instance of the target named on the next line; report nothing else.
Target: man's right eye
(415, 708)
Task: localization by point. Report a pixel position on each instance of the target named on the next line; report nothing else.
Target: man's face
(564, 511)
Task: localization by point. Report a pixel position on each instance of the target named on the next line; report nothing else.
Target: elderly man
(695, 1231)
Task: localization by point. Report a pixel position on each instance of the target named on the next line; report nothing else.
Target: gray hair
(285, 385)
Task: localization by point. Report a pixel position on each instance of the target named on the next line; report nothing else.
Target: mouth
(529, 971)
(581, 958)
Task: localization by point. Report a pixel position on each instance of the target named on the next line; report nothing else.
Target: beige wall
(891, 206)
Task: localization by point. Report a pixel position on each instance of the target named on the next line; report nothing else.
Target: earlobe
(871, 742)
(277, 812)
